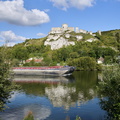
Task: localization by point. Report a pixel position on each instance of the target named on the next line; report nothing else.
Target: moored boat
(54, 70)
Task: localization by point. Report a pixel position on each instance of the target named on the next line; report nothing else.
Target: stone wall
(61, 29)
(70, 29)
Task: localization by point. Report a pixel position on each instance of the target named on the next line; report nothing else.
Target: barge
(54, 70)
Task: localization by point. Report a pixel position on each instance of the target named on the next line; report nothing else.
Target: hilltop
(66, 46)
(65, 36)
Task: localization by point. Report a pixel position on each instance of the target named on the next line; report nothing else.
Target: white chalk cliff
(60, 36)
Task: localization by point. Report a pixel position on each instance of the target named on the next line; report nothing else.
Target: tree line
(107, 46)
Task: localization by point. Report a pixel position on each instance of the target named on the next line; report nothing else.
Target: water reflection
(39, 112)
(60, 96)
(57, 95)
(43, 79)
(61, 91)
(78, 92)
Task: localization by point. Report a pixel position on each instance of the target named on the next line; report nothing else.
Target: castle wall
(83, 31)
(71, 28)
(65, 27)
(56, 29)
(61, 29)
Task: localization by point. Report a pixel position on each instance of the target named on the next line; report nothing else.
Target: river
(56, 98)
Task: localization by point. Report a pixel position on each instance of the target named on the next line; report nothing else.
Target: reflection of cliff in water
(72, 94)
(65, 93)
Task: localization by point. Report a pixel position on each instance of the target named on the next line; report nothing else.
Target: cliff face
(58, 40)
(65, 35)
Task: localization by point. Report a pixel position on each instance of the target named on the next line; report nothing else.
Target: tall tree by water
(6, 86)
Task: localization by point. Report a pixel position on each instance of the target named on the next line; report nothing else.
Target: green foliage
(39, 41)
(107, 46)
(87, 36)
(108, 60)
(52, 40)
(6, 85)
(15, 62)
(109, 88)
(20, 52)
(117, 35)
(83, 63)
(109, 38)
(78, 118)
(72, 38)
(73, 55)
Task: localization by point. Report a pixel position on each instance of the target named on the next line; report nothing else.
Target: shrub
(109, 89)
(6, 85)
(83, 63)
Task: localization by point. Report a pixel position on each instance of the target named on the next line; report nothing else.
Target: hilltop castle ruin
(60, 36)
(59, 30)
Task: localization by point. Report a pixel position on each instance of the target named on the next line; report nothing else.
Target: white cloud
(14, 12)
(41, 34)
(65, 4)
(10, 38)
(81, 4)
(46, 10)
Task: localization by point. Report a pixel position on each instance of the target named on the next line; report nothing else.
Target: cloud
(65, 4)
(10, 38)
(81, 4)
(46, 10)
(41, 34)
(14, 12)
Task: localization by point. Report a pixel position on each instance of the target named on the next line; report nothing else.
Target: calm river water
(56, 98)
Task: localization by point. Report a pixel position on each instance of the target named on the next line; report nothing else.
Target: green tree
(109, 90)
(6, 85)
(117, 35)
(83, 63)
(73, 55)
(63, 54)
(20, 53)
(108, 60)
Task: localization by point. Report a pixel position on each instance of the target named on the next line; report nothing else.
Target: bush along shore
(109, 93)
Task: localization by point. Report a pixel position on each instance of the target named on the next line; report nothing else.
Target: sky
(28, 19)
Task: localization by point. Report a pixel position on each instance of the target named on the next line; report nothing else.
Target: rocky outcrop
(62, 36)
(56, 44)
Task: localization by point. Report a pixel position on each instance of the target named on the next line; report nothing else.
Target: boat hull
(63, 71)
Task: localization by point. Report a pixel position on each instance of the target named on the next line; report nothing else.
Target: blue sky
(22, 19)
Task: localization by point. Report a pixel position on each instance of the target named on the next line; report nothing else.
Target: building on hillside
(36, 60)
(100, 60)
